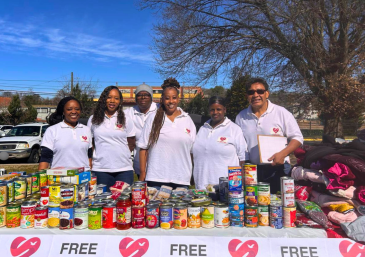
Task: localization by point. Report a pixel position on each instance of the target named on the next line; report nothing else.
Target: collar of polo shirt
(183, 114)
(224, 123)
(114, 115)
(64, 125)
(270, 108)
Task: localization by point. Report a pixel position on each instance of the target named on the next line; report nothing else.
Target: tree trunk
(333, 127)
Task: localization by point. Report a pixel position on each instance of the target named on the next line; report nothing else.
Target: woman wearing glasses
(114, 139)
(139, 113)
(262, 117)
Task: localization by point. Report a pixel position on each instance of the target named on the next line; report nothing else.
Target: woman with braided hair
(114, 139)
(166, 142)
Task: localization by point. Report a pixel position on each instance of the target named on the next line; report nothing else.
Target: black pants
(159, 184)
(272, 174)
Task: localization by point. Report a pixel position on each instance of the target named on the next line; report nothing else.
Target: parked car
(24, 141)
(4, 129)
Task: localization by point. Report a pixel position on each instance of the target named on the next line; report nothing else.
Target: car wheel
(34, 156)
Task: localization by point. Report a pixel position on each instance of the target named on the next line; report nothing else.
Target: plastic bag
(314, 212)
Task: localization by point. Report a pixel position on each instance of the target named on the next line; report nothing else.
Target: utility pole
(72, 82)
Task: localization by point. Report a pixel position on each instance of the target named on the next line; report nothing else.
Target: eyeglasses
(258, 91)
(143, 96)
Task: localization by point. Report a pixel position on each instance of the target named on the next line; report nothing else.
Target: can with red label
(152, 216)
(41, 217)
(109, 215)
(138, 196)
(144, 186)
(251, 217)
(250, 174)
(289, 217)
(288, 200)
(138, 214)
(44, 196)
(287, 185)
(27, 214)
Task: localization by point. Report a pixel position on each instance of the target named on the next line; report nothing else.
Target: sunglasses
(258, 91)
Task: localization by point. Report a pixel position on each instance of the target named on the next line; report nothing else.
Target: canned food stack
(251, 196)
(236, 197)
(288, 201)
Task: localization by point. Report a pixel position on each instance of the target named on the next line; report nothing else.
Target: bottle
(124, 212)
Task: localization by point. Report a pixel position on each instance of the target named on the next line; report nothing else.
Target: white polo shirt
(169, 159)
(275, 121)
(111, 152)
(215, 149)
(139, 118)
(69, 145)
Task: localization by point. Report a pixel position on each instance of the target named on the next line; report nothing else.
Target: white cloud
(54, 42)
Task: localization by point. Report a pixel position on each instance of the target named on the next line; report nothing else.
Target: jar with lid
(124, 212)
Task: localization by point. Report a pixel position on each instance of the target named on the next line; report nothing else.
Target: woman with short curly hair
(114, 139)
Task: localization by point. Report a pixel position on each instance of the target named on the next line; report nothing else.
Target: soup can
(152, 216)
(251, 217)
(138, 217)
(166, 216)
(276, 215)
(54, 195)
(43, 179)
(250, 174)
(109, 215)
(194, 220)
(207, 216)
(264, 216)
(138, 196)
(251, 195)
(29, 182)
(41, 217)
(66, 218)
(144, 186)
(2, 216)
(35, 182)
(223, 189)
(81, 216)
(20, 188)
(289, 217)
(93, 185)
(82, 192)
(180, 214)
(237, 209)
(287, 185)
(236, 194)
(27, 214)
(67, 196)
(10, 185)
(53, 217)
(101, 188)
(221, 215)
(95, 216)
(263, 193)
(288, 200)
(44, 196)
(3, 194)
(240, 224)
(107, 195)
(13, 215)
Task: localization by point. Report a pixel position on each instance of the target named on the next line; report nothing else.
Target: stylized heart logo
(29, 247)
(356, 249)
(140, 245)
(223, 138)
(249, 248)
(276, 130)
(84, 137)
(188, 130)
(119, 125)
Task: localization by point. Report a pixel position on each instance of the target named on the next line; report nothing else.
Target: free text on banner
(136, 246)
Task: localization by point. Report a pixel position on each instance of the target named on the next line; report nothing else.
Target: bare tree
(315, 47)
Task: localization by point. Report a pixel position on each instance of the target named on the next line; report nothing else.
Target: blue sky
(44, 41)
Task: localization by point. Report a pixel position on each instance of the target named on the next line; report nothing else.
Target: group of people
(167, 149)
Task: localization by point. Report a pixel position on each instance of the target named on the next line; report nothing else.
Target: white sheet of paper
(269, 145)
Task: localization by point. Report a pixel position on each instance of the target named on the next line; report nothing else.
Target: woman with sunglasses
(262, 117)
(218, 144)
(114, 139)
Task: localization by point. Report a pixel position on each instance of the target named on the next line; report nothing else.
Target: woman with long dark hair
(66, 143)
(114, 139)
(166, 142)
(219, 144)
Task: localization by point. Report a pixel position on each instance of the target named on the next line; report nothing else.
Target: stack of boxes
(236, 197)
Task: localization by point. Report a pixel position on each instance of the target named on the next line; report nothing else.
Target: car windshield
(24, 131)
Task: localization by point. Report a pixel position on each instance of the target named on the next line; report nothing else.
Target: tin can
(240, 224)
(27, 214)
(67, 196)
(67, 218)
(236, 194)
(263, 193)
(138, 214)
(235, 178)
(223, 189)
(92, 185)
(276, 215)
(251, 195)
(3, 194)
(287, 185)
(53, 217)
(207, 216)
(35, 182)
(43, 179)
(10, 185)
(20, 188)
(221, 215)
(82, 192)
(152, 216)
(41, 217)
(250, 174)
(138, 196)
(109, 215)
(55, 195)
(166, 216)
(107, 195)
(29, 182)
(13, 215)
(237, 209)
(194, 220)
(95, 216)
(81, 216)
(180, 214)
(289, 217)
(251, 217)
(76, 194)
(44, 196)
(101, 188)
(288, 200)
(2, 216)
(144, 186)
(264, 216)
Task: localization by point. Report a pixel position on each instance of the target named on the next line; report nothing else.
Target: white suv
(23, 141)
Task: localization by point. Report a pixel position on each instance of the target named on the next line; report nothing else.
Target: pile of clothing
(332, 175)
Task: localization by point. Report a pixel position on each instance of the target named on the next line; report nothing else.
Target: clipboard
(269, 145)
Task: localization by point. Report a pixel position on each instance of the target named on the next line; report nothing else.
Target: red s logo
(140, 245)
(356, 249)
(28, 247)
(249, 248)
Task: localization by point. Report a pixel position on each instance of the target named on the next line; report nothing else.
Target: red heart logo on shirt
(355, 250)
(119, 125)
(28, 247)
(276, 130)
(223, 138)
(84, 137)
(140, 245)
(188, 130)
(249, 248)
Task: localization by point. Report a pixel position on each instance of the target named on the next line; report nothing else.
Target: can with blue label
(276, 215)
(67, 218)
(166, 217)
(101, 188)
(53, 217)
(237, 224)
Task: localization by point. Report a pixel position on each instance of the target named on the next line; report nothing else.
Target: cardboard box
(65, 171)
(77, 179)
(235, 178)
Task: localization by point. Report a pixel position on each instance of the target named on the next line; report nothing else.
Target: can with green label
(20, 188)
(29, 180)
(95, 216)
(43, 179)
(207, 216)
(10, 185)
(35, 182)
(13, 215)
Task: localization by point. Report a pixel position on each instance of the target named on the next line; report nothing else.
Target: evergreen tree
(236, 97)
(15, 110)
(30, 114)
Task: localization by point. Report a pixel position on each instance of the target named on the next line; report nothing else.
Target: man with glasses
(262, 117)
(139, 114)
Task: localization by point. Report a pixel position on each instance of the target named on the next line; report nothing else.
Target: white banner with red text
(177, 246)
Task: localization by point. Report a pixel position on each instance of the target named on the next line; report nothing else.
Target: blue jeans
(109, 178)
(158, 185)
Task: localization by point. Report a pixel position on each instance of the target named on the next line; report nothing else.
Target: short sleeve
(142, 143)
(130, 129)
(90, 134)
(241, 145)
(292, 130)
(49, 138)
(193, 129)
(89, 124)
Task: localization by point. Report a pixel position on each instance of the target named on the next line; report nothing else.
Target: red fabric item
(340, 177)
(299, 153)
(360, 194)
